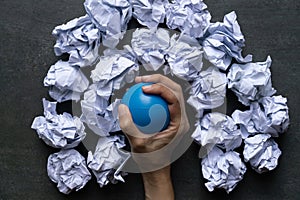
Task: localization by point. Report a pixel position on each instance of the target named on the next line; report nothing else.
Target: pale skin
(158, 183)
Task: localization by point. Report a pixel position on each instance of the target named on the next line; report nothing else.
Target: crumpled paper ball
(208, 91)
(184, 57)
(149, 12)
(68, 169)
(222, 170)
(100, 115)
(223, 41)
(262, 152)
(58, 131)
(65, 82)
(107, 160)
(270, 115)
(217, 129)
(151, 46)
(80, 38)
(189, 16)
(115, 69)
(110, 17)
(252, 81)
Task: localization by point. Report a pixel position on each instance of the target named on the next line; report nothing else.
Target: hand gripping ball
(149, 112)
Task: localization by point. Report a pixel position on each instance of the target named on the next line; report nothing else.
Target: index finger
(162, 91)
(157, 78)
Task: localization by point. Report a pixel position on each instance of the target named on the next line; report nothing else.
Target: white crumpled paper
(98, 114)
(277, 112)
(110, 17)
(108, 160)
(222, 170)
(66, 82)
(189, 16)
(149, 12)
(184, 57)
(262, 152)
(217, 129)
(251, 81)
(80, 38)
(223, 42)
(58, 131)
(68, 169)
(115, 69)
(269, 116)
(150, 46)
(208, 91)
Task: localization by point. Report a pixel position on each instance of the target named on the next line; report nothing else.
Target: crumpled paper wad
(217, 129)
(222, 170)
(68, 169)
(269, 115)
(223, 41)
(252, 81)
(80, 38)
(65, 82)
(58, 131)
(108, 159)
(262, 152)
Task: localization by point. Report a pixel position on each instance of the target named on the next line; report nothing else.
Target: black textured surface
(271, 27)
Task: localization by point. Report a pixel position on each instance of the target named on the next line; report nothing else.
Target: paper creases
(262, 152)
(252, 81)
(216, 129)
(110, 17)
(149, 12)
(222, 170)
(189, 16)
(223, 41)
(65, 82)
(108, 159)
(68, 169)
(58, 130)
(80, 38)
(269, 115)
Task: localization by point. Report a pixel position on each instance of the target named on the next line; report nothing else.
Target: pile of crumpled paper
(105, 23)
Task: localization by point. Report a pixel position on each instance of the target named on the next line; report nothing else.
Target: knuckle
(158, 77)
(138, 145)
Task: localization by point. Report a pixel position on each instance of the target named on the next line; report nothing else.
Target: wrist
(158, 177)
(156, 162)
(158, 184)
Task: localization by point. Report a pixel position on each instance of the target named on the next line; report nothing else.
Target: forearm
(158, 184)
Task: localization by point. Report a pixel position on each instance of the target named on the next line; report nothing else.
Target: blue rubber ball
(149, 112)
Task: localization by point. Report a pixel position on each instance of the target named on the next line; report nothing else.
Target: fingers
(127, 125)
(162, 91)
(169, 96)
(157, 78)
(126, 122)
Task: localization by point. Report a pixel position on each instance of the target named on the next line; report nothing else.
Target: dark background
(271, 27)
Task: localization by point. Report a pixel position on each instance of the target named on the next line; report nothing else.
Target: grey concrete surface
(271, 27)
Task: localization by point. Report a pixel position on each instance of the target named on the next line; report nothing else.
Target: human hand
(145, 143)
(149, 151)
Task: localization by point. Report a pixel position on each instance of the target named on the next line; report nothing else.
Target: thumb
(126, 123)
(125, 118)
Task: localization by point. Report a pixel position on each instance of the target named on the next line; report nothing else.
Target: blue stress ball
(149, 112)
